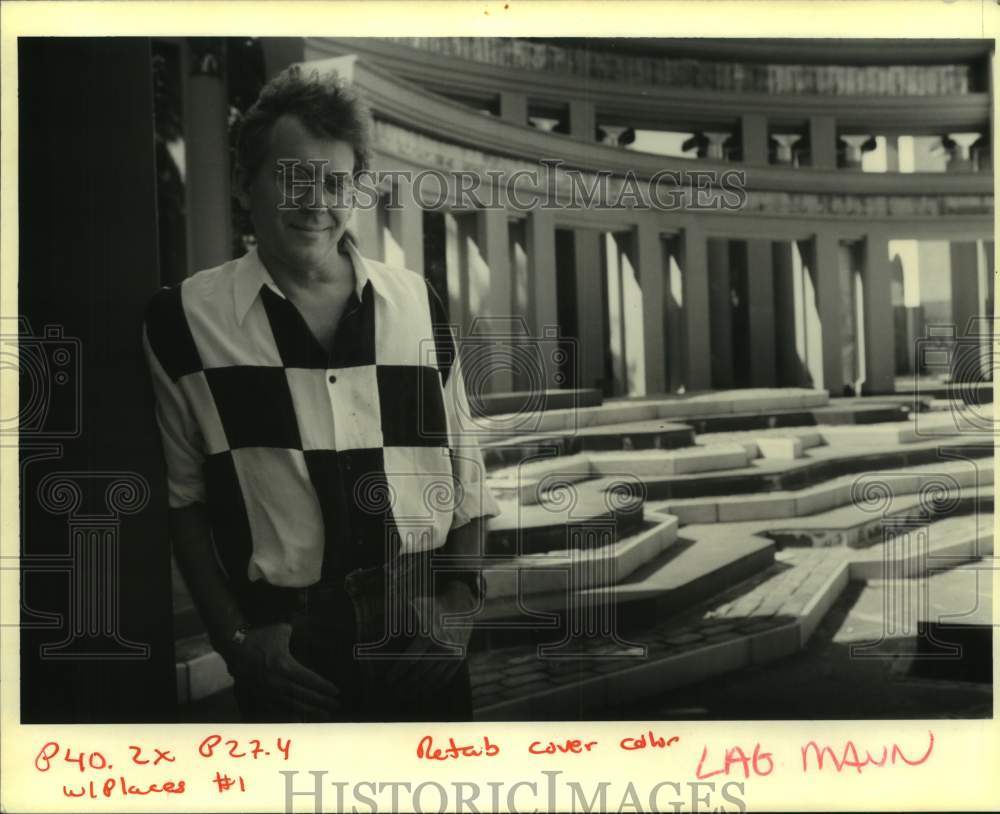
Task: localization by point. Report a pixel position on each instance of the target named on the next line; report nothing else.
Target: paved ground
(825, 681)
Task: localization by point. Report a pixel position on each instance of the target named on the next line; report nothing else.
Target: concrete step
(528, 482)
(688, 572)
(821, 465)
(765, 618)
(616, 411)
(574, 569)
(648, 434)
(872, 483)
(858, 527)
(564, 518)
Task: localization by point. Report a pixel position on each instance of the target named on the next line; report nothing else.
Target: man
(310, 408)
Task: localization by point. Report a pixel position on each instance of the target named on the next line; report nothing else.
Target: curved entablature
(427, 131)
(910, 100)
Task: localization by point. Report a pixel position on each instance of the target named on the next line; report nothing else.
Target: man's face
(298, 216)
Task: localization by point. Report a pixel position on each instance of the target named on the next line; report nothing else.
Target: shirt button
(332, 378)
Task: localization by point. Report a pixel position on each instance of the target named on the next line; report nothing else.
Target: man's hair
(324, 105)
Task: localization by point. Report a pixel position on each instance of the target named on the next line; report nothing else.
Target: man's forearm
(190, 533)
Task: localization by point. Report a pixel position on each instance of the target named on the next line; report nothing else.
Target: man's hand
(430, 659)
(264, 663)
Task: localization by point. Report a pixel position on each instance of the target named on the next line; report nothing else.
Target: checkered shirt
(307, 461)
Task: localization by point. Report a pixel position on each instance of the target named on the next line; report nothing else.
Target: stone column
(542, 277)
(407, 225)
(760, 293)
(879, 321)
(825, 274)
(786, 143)
(514, 107)
(753, 132)
(716, 148)
(965, 298)
(855, 150)
(649, 258)
(698, 343)
(823, 142)
(720, 313)
(892, 153)
(790, 365)
(206, 138)
(591, 311)
(487, 270)
(673, 285)
(454, 264)
(582, 119)
(960, 155)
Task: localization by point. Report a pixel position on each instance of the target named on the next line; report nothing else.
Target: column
(960, 154)
(825, 274)
(720, 313)
(407, 225)
(206, 138)
(542, 268)
(753, 132)
(651, 280)
(716, 147)
(612, 133)
(491, 283)
(965, 300)
(454, 264)
(673, 309)
(582, 119)
(790, 371)
(786, 144)
(879, 322)
(514, 107)
(698, 345)
(591, 317)
(892, 153)
(855, 150)
(760, 293)
(823, 142)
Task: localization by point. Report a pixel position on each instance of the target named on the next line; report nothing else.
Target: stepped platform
(562, 521)
(770, 616)
(641, 433)
(528, 482)
(850, 479)
(672, 408)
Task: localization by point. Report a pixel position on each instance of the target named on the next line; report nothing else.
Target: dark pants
(352, 631)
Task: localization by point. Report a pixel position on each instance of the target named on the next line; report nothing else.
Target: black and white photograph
(494, 378)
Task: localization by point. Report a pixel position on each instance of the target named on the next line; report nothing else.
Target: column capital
(716, 143)
(785, 142)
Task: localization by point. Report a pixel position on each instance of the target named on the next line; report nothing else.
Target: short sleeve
(183, 446)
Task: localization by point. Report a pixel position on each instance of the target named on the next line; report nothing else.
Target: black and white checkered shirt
(310, 462)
